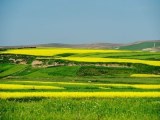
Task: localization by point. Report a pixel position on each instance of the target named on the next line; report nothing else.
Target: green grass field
(81, 109)
(34, 87)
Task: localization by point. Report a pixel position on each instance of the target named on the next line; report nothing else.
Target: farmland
(84, 84)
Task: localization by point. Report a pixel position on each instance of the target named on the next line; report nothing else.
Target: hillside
(141, 45)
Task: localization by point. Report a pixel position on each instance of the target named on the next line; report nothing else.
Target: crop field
(56, 51)
(111, 60)
(79, 84)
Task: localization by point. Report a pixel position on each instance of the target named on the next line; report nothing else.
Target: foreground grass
(81, 109)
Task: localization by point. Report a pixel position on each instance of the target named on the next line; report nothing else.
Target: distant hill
(152, 45)
(93, 46)
(142, 45)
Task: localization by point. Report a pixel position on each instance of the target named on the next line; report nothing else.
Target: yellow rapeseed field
(55, 51)
(5, 95)
(140, 86)
(16, 86)
(144, 75)
(109, 60)
(43, 82)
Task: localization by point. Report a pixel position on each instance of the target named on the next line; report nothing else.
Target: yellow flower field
(5, 95)
(55, 51)
(109, 60)
(140, 86)
(144, 75)
(42, 82)
(16, 86)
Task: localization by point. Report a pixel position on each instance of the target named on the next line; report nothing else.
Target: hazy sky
(78, 21)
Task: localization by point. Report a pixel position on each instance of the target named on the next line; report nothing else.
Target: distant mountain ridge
(93, 45)
(139, 45)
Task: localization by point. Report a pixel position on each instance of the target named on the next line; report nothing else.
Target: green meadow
(22, 74)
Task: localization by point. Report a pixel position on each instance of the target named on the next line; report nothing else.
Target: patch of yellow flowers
(144, 75)
(5, 95)
(16, 86)
(140, 86)
(110, 60)
(55, 51)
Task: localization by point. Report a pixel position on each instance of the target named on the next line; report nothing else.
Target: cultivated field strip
(144, 75)
(6, 95)
(56, 51)
(140, 86)
(17, 86)
(110, 60)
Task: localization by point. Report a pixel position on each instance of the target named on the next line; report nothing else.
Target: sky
(26, 22)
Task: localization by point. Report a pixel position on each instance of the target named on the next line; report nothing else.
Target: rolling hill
(141, 45)
(151, 45)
